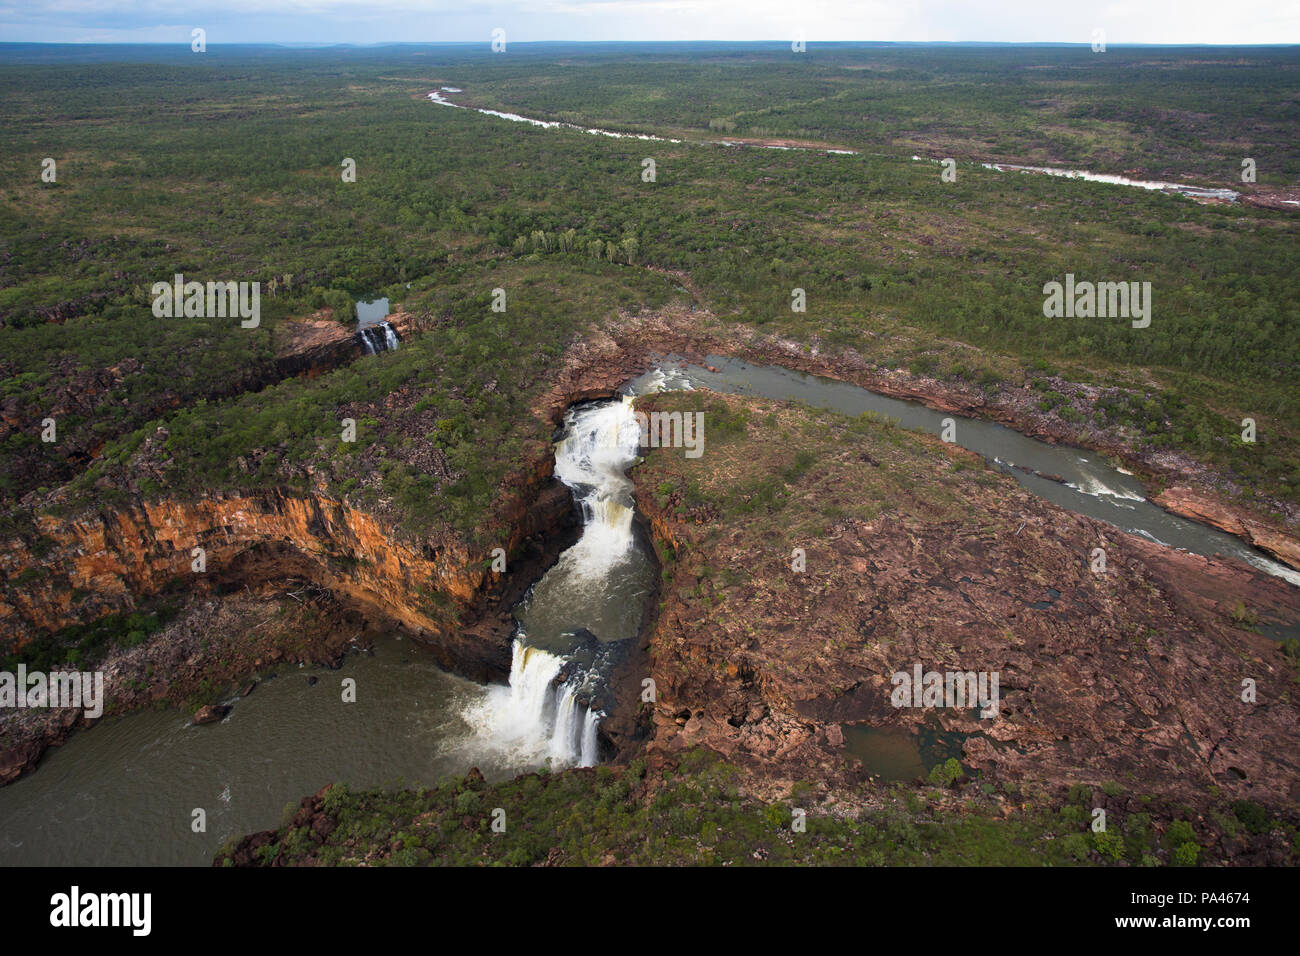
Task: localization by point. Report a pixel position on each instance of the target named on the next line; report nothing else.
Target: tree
(630, 248)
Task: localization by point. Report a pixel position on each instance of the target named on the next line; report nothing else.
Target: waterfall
(532, 672)
(380, 337)
(590, 750)
(532, 719)
(595, 589)
(599, 445)
(565, 738)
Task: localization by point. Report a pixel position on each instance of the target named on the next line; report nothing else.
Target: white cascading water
(565, 745)
(390, 336)
(379, 337)
(598, 446)
(534, 718)
(590, 752)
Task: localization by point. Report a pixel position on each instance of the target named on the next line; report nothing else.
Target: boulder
(211, 713)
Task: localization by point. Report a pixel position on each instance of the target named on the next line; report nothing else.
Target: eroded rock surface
(916, 553)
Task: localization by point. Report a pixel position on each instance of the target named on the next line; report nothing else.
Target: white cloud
(1137, 21)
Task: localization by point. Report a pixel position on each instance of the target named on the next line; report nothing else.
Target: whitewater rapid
(536, 717)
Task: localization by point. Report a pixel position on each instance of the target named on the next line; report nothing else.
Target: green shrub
(1109, 845)
(1178, 833)
(1186, 854)
(1252, 816)
(775, 815)
(1075, 846)
(335, 799)
(946, 773)
(468, 802)
(1073, 815)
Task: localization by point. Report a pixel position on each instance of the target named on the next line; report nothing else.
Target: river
(1198, 193)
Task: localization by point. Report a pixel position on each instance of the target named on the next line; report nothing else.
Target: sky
(379, 21)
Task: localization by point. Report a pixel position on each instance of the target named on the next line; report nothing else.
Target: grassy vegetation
(785, 474)
(230, 169)
(79, 645)
(466, 390)
(701, 816)
(1161, 112)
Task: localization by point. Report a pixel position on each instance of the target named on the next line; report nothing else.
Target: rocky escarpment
(319, 343)
(66, 566)
(212, 642)
(1208, 509)
(314, 345)
(71, 566)
(75, 394)
(359, 570)
(105, 560)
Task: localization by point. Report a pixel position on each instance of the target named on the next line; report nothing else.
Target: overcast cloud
(377, 21)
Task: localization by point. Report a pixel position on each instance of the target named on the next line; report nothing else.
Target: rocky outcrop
(313, 346)
(406, 324)
(103, 561)
(1133, 675)
(1280, 198)
(210, 713)
(1208, 509)
(256, 848)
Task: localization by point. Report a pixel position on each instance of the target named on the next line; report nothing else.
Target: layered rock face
(109, 557)
(1206, 509)
(78, 568)
(103, 561)
(315, 345)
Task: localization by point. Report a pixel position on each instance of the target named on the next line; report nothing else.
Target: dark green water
(122, 792)
(897, 754)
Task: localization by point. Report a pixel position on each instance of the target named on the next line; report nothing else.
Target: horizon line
(784, 42)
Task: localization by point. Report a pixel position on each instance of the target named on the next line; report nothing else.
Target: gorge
(578, 627)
